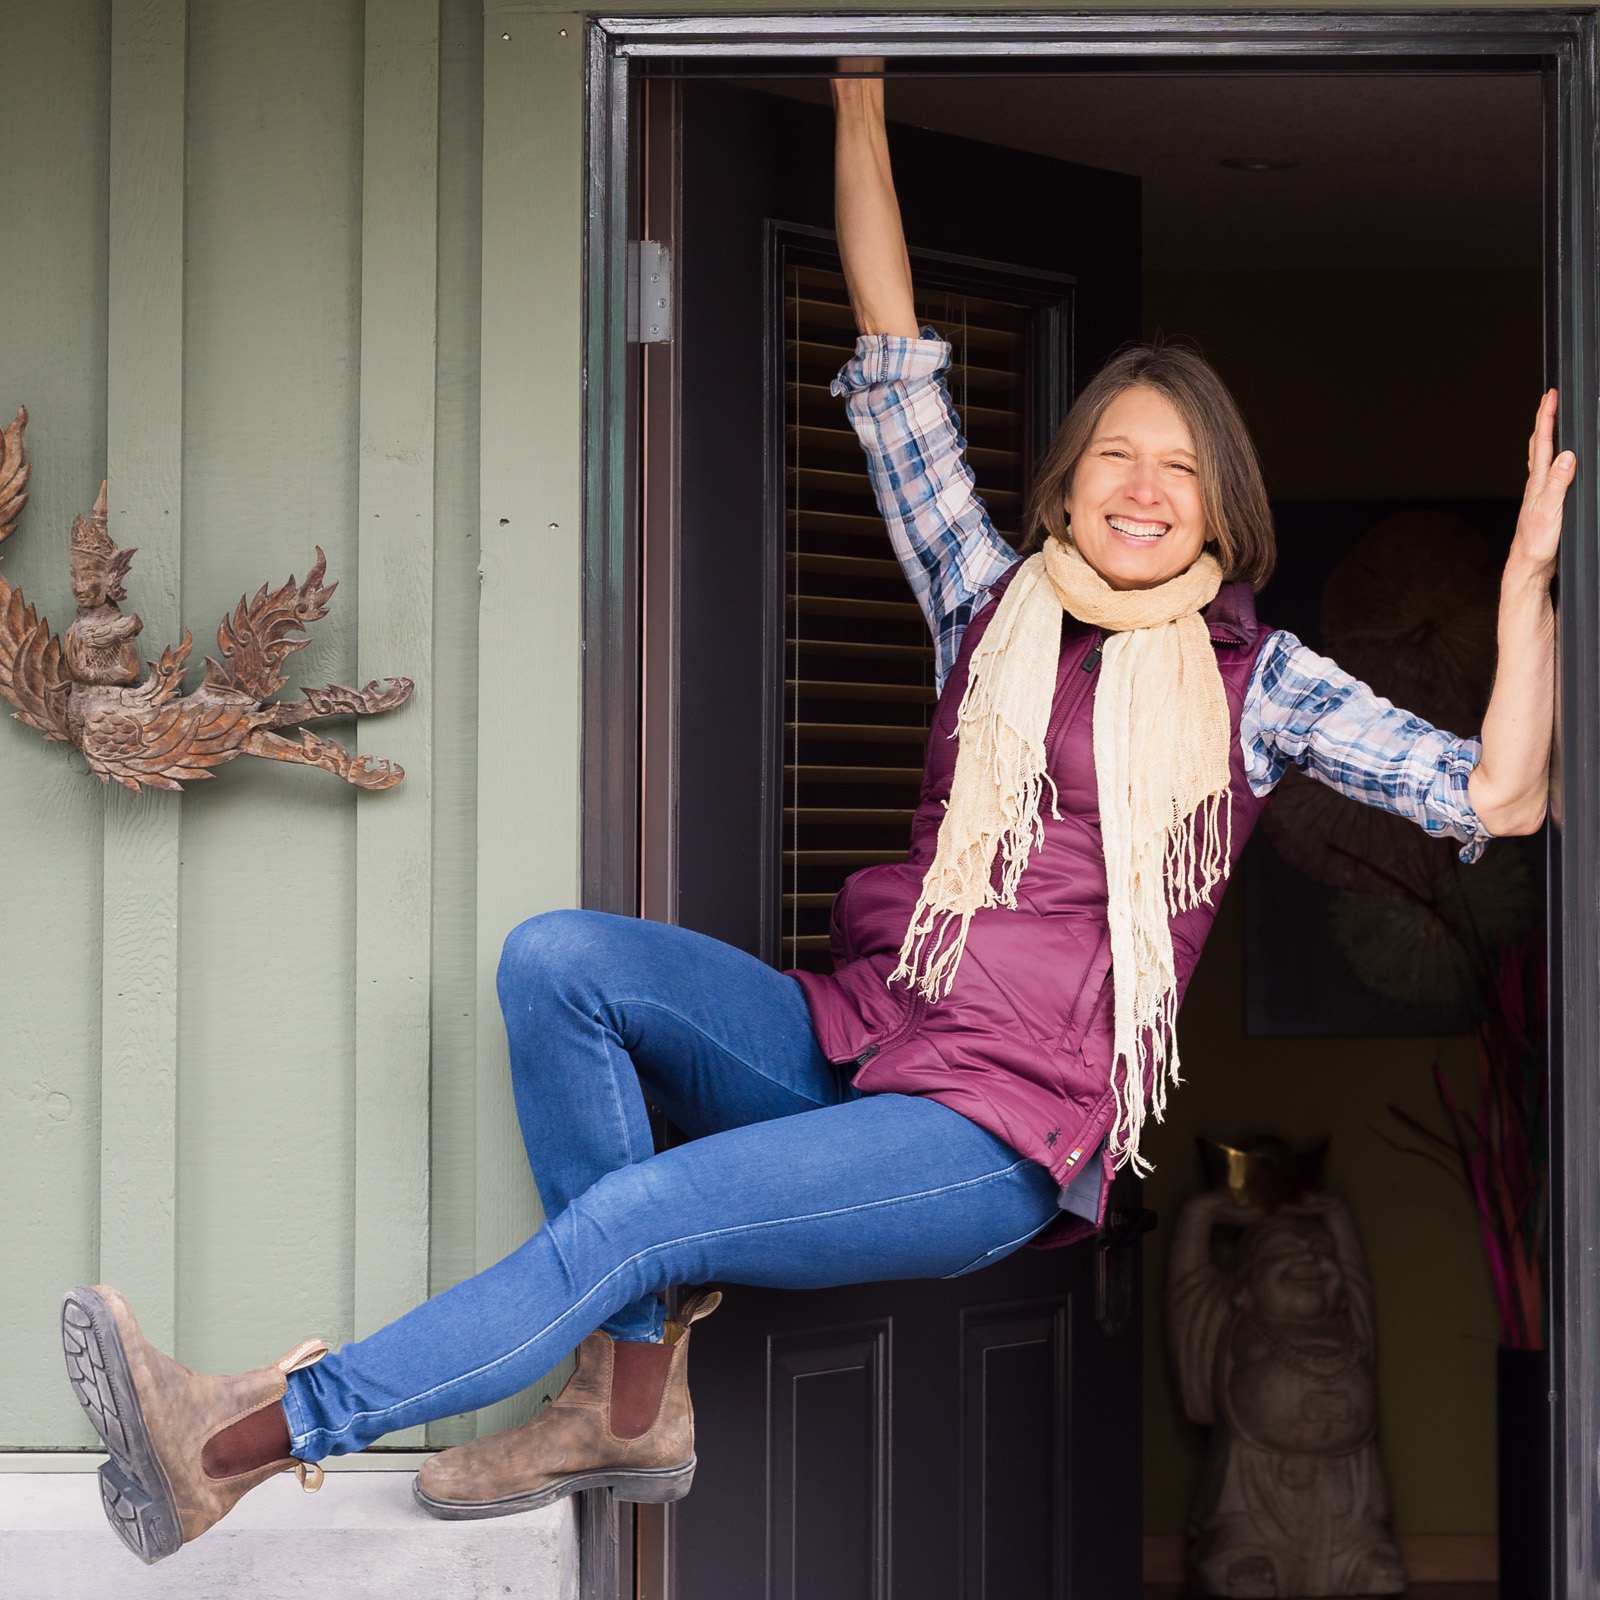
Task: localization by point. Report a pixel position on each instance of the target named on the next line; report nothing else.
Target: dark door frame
(1562, 46)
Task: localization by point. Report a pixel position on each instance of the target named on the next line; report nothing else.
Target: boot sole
(640, 1485)
(133, 1484)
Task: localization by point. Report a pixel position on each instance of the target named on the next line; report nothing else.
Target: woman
(1001, 1015)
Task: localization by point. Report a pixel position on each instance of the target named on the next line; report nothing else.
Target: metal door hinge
(649, 292)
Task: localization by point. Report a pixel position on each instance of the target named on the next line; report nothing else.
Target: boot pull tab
(305, 1354)
(697, 1304)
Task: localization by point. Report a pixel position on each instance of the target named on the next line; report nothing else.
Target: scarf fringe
(1196, 857)
(1198, 853)
(926, 963)
(1155, 1060)
(961, 881)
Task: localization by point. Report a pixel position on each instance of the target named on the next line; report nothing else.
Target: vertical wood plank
(54, 129)
(144, 467)
(452, 1221)
(530, 632)
(272, 390)
(399, 294)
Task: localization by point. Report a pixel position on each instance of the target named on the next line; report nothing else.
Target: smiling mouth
(1139, 531)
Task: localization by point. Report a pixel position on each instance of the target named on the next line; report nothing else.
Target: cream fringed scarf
(1161, 739)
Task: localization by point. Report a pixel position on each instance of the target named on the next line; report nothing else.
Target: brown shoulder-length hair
(1238, 518)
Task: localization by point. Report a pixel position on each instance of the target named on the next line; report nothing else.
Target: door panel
(970, 1439)
(963, 1440)
(1015, 1421)
(828, 1460)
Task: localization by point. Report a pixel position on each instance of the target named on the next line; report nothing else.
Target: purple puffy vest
(1022, 1043)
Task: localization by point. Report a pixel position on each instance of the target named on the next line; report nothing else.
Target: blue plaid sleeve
(1302, 710)
(899, 406)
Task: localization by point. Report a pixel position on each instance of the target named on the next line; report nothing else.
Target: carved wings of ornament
(136, 726)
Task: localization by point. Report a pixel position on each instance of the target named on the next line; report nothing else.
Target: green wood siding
(266, 1116)
(53, 126)
(242, 1080)
(531, 613)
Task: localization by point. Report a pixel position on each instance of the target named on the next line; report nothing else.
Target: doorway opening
(1372, 258)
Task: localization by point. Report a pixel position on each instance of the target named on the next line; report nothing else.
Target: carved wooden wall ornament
(89, 691)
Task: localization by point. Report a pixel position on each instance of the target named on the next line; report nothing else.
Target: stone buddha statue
(1276, 1357)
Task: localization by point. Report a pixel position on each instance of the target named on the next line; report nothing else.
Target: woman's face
(1135, 505)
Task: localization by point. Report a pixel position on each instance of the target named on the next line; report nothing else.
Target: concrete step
(361, 1537)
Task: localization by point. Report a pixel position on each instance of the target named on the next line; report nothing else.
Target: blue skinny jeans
(792, 1179)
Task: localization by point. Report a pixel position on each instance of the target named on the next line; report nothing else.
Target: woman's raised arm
(1509, 788)
(872, 244)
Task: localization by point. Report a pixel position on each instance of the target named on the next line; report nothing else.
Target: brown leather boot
(623, 1422)
(156, 1419)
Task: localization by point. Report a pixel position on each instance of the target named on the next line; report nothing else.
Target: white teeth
(1137, 530)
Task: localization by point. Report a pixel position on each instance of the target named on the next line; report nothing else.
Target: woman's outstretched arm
(872, 244)
(895, 388)
(1509, 788)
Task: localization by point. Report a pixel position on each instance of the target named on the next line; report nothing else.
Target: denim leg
(602, 1011)
(880, 1187)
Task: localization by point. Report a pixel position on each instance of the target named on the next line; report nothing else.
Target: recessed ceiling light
(1256, 164)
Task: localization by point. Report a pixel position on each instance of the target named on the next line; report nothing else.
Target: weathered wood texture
(54, 129)
(399, 295)
(532, 390)
(266, 1120)
(287, 248)
(453, 1202)
(143, 833)
(262, 244)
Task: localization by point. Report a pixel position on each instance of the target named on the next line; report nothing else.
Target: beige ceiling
(1392, 171)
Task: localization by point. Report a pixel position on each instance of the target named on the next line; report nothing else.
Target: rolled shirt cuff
(1459, 765)
(891, 358)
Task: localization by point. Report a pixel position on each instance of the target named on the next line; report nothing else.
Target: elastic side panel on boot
(638, 1380)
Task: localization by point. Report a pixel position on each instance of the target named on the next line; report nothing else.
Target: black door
(974, 1438)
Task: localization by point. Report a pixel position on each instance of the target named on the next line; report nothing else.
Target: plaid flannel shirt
(1300, 709)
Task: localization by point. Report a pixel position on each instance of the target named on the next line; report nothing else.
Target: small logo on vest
(1051, 1137)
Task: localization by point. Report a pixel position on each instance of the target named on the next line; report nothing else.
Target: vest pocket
(1081, 1013)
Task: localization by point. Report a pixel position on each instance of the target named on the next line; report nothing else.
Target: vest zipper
(919, 1007)
(1076, 690)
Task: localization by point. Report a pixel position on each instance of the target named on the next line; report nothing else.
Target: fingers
(1541, 443)
(863, 71)
(861, 93)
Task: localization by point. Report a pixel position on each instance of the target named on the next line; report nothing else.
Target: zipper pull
(1092, 660)
(866, 1055)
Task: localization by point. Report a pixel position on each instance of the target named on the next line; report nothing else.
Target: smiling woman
(1133, 499)
(1152, 465)
(1152, 530)
(1000, 1020)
